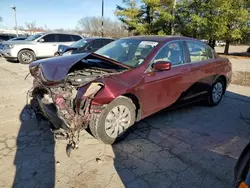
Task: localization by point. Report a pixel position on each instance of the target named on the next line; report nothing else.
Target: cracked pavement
(193, 146)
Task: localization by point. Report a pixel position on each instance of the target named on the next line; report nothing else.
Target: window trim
(149, 68)
(202, 44)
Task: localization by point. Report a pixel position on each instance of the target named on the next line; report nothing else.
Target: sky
(54, 13)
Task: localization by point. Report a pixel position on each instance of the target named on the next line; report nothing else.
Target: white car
(37, 46)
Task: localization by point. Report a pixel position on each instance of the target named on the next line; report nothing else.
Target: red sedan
(125, 81)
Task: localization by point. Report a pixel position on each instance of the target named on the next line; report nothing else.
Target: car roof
(158, 38)
(45, 33)
(93, 38)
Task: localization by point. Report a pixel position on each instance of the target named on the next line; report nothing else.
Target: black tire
(97, 121)
(210, 101)
(56, 54)
(29, 53)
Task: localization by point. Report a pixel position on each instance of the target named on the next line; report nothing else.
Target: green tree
(212, 19)
(236, 13)
(152, 17)
(129, 15)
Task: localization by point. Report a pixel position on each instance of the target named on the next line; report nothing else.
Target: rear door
(163, 88)
(48, 46)
(202, 62)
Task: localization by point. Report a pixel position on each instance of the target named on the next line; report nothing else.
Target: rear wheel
(26, 56)
(114, 123)
(216, 93)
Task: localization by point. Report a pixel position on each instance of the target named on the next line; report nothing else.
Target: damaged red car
(125, 81)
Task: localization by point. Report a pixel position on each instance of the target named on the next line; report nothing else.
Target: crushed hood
(56, 69)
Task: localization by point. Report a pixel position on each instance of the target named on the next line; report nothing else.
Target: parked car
(220, 43)
(83, 46)
(37, 46)
(5, 37)
(242, 169)
(125, 81)
(12, 39)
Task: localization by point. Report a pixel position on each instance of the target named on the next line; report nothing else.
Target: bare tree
(92, 27)
(30, 25)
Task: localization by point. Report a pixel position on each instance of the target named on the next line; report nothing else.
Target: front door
(163, 88)
(47, 46)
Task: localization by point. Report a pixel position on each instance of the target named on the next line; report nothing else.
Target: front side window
(198, 51)
(131, 52)
(172, 52)
(49, 38)
(96, 44)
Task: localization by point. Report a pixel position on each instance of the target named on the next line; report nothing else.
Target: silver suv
(40, 45)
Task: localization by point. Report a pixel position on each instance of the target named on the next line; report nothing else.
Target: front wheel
(216, 93)
(114, 123)
(26, 56)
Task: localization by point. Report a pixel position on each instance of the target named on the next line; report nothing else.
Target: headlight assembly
(10, 46)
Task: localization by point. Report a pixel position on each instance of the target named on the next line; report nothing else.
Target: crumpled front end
(64, 107)
(67, 105)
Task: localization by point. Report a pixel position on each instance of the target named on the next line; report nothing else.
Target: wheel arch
(26, 49)
(224, 79)
(136, 102)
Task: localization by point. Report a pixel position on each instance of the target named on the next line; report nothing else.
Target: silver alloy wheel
(117, 121)
(26, 57)
(217, 92)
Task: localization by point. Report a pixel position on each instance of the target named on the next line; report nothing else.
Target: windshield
(34, 37)
(79, 43)
(130, 52)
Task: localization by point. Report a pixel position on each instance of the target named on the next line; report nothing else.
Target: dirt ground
(193, 146)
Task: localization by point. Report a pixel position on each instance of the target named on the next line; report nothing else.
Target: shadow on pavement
(192, 146)
(34, 159)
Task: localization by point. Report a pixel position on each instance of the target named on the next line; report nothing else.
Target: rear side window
(199, 51)
(76, 37)
(64, 38)
(50, 38)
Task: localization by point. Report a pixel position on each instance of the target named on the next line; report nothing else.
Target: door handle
(54, 44)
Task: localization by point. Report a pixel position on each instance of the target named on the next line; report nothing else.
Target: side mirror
(162, 65)
(41, 40)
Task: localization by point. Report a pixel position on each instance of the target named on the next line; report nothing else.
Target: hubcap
(217, 92)
(117, 121)
(26, 57)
